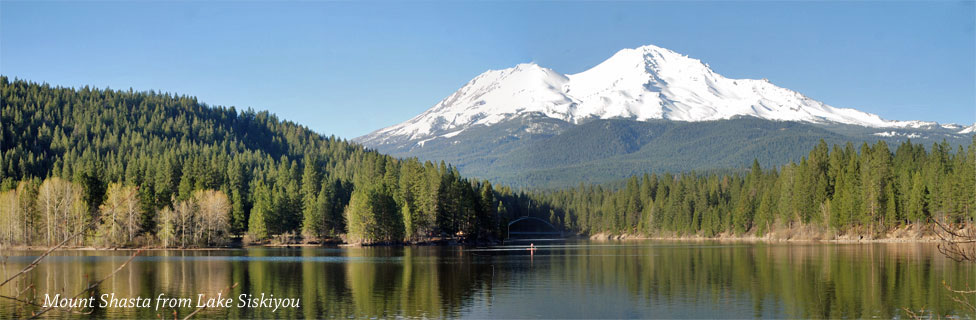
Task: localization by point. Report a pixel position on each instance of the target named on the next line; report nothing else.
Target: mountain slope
(601, 151)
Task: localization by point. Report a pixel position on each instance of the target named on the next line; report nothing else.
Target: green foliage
(840, 188)
(278, 177)
(257, 224)
(372, 217)
(764, 214)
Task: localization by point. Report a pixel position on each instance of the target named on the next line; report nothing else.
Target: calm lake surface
(579, 279)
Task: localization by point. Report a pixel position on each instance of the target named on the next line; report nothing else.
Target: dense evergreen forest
(145, 168)
(864, 191)
(126, 168)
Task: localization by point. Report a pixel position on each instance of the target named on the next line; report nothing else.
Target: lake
(572, 279)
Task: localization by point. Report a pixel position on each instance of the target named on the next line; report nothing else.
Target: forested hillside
(125, 168)
(864, 190)
(146, 168)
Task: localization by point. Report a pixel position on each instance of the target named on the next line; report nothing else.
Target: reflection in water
(564, 280)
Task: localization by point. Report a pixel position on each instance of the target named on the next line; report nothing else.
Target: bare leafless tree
(958, 242)
(10, 226)
(120, 215)
(212, 216)
(176, 223)
(63, 209)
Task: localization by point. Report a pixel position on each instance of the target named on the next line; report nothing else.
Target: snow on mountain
(910, 135)
(645, 83)
(489, 98)
(968, 130)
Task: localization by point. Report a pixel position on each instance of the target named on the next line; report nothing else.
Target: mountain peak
(527, 66)
(650, 57)
(650, 48)
(643, 83)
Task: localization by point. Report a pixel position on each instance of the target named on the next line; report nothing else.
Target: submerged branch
(957, 244)
(34, 263)
(94, 284)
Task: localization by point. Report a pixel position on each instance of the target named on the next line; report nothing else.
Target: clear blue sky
(349, 68)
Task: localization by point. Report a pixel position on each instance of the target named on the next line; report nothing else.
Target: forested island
(125, 168)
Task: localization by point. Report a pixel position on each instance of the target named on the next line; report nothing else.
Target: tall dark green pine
(91, 178)
(187, 183)
(489, 221)
(258, 221)
(312, 214)
(764, 214)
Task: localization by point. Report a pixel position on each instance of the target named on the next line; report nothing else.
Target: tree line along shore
(835, 192)
(148, 169)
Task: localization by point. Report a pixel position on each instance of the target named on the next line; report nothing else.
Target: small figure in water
(531, 247)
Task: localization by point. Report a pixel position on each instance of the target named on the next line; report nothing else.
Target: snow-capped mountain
(645, 83)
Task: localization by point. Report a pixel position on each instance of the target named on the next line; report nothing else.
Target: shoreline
(320, 244)
(802, 234)
(754, 239)
(599, 237)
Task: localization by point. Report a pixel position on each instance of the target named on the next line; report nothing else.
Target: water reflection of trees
(799, 280)
(820, 281)
(428, 282)
(808, 281)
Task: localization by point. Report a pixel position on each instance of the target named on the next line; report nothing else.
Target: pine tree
(312, 214)
(891, 206)
(918, 202)
(490, 219)
(257, 224)
(238, 215)
(764, 216)
(91, 178)
(187, 182)
(371, 216)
